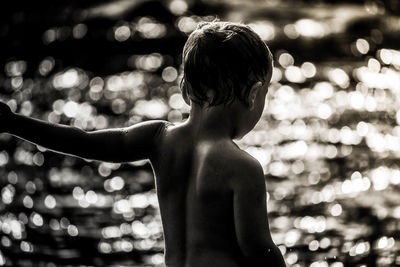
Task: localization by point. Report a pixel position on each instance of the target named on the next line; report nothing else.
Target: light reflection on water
(328, 142)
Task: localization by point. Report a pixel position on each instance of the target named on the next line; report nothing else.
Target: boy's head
(222, 61)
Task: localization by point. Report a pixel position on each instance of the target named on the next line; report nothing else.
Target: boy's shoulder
(230, 160)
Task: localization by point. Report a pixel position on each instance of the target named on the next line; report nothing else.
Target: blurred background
(329, 139)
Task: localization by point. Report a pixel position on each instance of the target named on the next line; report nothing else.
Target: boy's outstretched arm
(251, 223)
(114, 145)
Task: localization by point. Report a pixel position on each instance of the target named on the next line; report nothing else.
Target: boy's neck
(216, 122)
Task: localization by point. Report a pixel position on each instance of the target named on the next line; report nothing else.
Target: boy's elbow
(89, 146)
(80, 146)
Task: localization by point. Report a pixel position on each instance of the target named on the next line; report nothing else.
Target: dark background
(328, 141)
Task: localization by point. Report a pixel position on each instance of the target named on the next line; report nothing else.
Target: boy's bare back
(195, 201)
(212, 201)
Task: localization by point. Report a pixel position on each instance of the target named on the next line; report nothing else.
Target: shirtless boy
(211, 193)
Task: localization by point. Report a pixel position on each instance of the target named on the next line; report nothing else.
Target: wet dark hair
(225, 57)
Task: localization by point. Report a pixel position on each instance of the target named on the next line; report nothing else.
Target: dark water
(329, 139)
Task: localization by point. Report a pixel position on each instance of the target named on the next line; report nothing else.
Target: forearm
(61, 138)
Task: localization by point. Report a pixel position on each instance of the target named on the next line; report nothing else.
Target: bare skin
(212, 194)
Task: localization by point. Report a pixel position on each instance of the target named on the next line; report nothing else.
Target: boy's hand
(5, 114)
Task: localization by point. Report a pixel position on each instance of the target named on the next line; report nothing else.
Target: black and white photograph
(200, 133)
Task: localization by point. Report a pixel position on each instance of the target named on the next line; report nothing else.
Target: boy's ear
(253, 94)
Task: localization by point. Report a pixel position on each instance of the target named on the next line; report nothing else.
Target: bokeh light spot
(362, 46)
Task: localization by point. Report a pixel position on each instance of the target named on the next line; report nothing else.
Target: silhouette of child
(212, 194)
